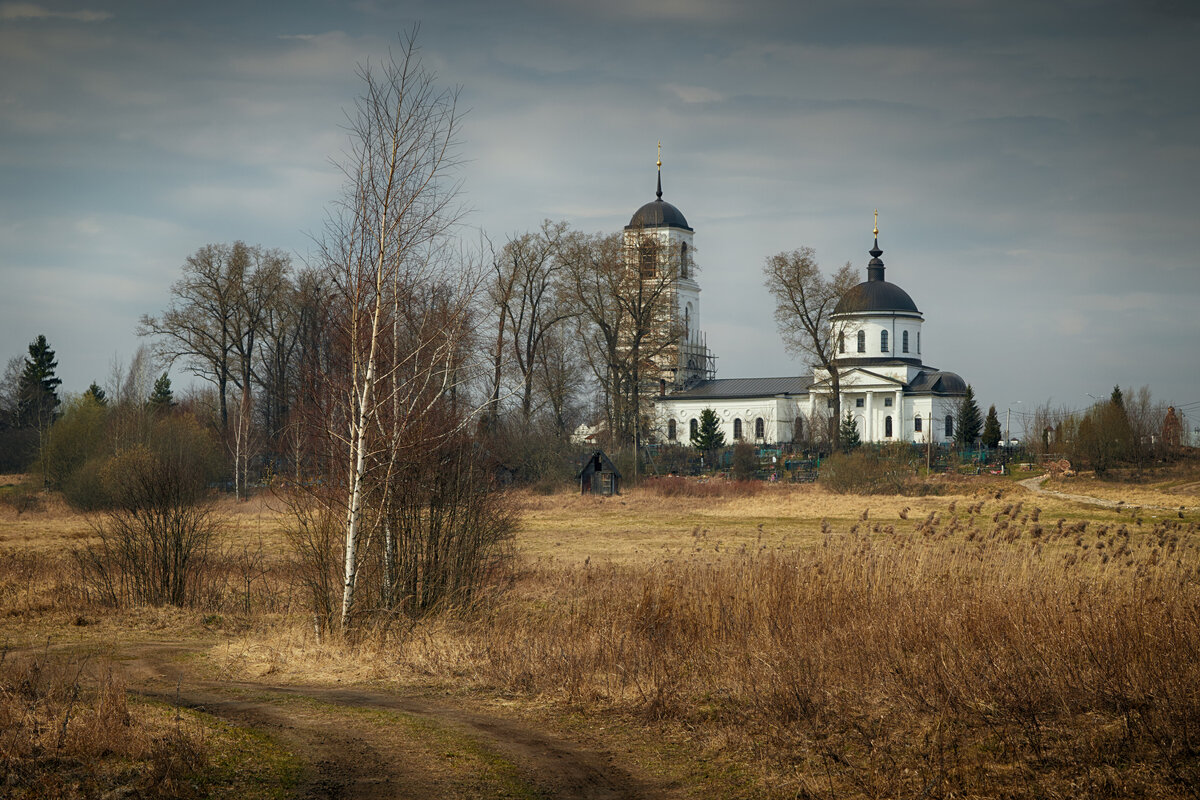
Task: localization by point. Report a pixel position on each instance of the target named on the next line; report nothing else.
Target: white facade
(884, 384)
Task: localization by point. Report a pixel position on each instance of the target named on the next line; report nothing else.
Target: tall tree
(217, 311)
(968, 422)
(708, 437)
(804, 304)
(526, 288)
(37, 393)
(400, 326)
(991, 429)
(37, 390)
(161, 398)
(626, 320)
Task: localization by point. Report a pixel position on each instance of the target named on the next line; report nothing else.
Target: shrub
(157, 535)
(745, 461)
(866, 471)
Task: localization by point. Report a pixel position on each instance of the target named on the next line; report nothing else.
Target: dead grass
(979, 642)
(67, 730)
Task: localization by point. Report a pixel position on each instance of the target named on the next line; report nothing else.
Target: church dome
(875, 294)
(658, 213)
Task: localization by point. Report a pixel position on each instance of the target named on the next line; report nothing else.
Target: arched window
(862, 341)
(904, 341)
(662, 386)
(683, 260)
(841, 342)
(883, 344)
(758, 428)
(693, 429)
(687, 321)
(918, 343)
(671, 430)
(949, 426)
(917, 423)
(798, 429)
(887, 427)
(737, 430)
(649, 260)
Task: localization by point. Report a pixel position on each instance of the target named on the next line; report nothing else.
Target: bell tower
(660, 242)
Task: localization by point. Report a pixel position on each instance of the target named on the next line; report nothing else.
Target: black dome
(875, 296)
(658, 214)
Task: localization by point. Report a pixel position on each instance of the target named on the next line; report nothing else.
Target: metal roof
(658, 214)
(743, 387)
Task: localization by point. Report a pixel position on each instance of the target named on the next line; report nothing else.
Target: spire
(875, 265)
(659, 193)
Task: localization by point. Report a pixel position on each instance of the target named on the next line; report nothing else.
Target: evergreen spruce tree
(97, 395)
(991, 429)
(848, 432)
(37, 390)
(969, 422)
(708, 436)
(162, 397)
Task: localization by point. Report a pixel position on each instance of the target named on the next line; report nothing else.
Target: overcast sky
(1034, 164)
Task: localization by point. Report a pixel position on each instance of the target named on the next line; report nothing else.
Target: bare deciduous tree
(804, 304)
(400, 328)
(622, 289)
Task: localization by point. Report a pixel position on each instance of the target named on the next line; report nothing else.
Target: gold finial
(660, 153)
(877, 222)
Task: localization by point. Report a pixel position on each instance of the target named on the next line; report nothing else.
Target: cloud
(18, 12)
(696, 94)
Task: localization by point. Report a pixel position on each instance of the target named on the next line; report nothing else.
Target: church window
(662, 386)
(841, 342)
(671, 430)
(887, 427)
(829, 402)
(649, 260)
(917, 423)
(918, 342)
(859, 402)
(683, 260)
(693, 428)
(883, 344)
(737, 430)
(887, 401)
(687, 322)
(758, 428)
(949, 425)
(862, 341)
(904, 341)
(798, 429)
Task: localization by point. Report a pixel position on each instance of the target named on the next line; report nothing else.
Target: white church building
(885, 384)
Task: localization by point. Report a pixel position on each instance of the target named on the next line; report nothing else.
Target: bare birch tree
(398, 350)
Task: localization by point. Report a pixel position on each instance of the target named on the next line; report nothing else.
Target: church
(885, 385)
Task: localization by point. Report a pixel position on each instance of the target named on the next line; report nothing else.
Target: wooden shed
(599, 476)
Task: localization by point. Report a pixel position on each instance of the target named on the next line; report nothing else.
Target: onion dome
(875, 294)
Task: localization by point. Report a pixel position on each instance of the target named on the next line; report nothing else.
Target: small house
(599, 476)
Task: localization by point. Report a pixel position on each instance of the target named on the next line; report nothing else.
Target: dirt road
(363, 743)
(1035, 485)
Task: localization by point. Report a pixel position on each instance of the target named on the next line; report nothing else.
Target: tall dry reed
(970, 657)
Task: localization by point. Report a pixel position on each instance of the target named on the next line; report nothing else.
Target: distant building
(891, 393)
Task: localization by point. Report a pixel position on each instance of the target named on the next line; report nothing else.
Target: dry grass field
(983, 641)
